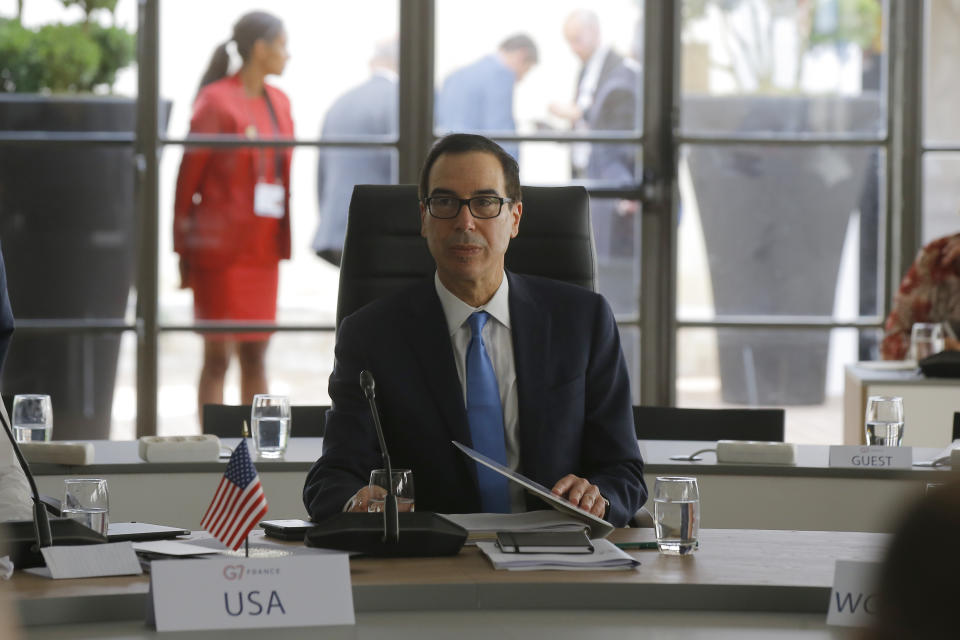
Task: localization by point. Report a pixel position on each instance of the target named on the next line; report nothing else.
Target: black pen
(652, 544)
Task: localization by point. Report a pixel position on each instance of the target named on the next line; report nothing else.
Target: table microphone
(25, 538)
(391, 525)
(423, 533)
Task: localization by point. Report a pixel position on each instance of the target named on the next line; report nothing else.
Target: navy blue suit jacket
(574, 403)
(6, 313)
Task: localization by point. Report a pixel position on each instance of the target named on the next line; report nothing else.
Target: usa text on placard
(242, 593)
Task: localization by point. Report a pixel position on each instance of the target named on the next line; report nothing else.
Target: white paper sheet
(91, 560)
(172, 548)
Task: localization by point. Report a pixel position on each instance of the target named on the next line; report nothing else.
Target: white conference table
(928, 403)
(739, 584)
(807, 496)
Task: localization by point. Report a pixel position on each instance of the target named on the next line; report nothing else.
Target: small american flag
(239, 503)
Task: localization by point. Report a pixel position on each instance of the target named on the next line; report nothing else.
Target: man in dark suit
(14, 491)
(479, 96)
(605, 100)
(368, 109)
(526, 369)
(6, 313)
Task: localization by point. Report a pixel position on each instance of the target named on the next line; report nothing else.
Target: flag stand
(246, 538)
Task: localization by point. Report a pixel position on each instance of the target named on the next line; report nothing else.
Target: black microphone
(424, 534)
(391, 525)
(24, 537)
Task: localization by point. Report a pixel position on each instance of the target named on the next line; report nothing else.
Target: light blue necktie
(485, 415)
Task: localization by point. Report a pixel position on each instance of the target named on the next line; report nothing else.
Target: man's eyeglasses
(483, 207)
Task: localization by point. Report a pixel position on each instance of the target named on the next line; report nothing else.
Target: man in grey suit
(368, 109)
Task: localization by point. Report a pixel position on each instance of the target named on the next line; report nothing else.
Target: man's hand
(580, 493)
(361, 499)
(570, 112)
(949, 344)
(184, 273)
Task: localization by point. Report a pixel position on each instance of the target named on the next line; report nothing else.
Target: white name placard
(872, 457)
(243, 593)
(853, 600)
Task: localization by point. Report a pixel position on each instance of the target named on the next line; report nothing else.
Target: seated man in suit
(15, 497)
(527, 370)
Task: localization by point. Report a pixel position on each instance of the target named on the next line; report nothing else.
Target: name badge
(872, 457)
(268, 200)
(245, 593)
(853, 599)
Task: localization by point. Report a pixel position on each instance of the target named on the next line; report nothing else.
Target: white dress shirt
(498, 340)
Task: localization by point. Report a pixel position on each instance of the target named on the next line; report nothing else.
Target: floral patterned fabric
(930, 292)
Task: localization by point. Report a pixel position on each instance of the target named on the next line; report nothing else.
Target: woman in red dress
(232, 206)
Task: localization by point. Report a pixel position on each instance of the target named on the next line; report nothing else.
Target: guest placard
(245, 593)
(870, 457)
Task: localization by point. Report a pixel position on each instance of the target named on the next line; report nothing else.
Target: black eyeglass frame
(461, 201)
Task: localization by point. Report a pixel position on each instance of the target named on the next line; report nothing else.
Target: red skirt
(239, 293)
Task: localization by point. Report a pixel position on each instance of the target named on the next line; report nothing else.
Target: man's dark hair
(465, 143)
(521, 41)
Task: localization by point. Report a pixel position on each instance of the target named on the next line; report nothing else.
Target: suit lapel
(531, 335)
(429, 339)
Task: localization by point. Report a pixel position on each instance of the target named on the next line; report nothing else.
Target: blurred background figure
(919, 573)
(930, 292)
(367, 109)
(479, 97)
(231, 212)
(605, 99)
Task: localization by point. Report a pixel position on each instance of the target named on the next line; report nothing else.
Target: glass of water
(86, 500)
(270, 421)
(926, 339)
(402, 488)
(884, 420)
(32, 419)
(676, 514)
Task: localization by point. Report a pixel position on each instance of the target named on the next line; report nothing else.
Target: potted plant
(67, 211)
(774, 218)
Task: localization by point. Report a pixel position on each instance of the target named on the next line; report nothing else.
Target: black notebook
(544, 542)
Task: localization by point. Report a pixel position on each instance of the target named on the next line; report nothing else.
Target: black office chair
(675, 423)
(384, 252)
(955, 435)
(226, 420)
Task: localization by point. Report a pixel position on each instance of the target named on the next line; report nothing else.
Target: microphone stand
(41, 521)
(391, 521)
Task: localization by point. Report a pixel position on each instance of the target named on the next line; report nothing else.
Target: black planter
(774, 221)
(69, 238)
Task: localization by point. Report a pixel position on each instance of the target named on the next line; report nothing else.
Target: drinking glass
(32, 419)
(926, 339)
(402, 488)
(270, 421)
(884, 420)
(676, 514)
(86, 500)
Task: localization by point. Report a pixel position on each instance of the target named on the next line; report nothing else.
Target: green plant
(64, 57)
